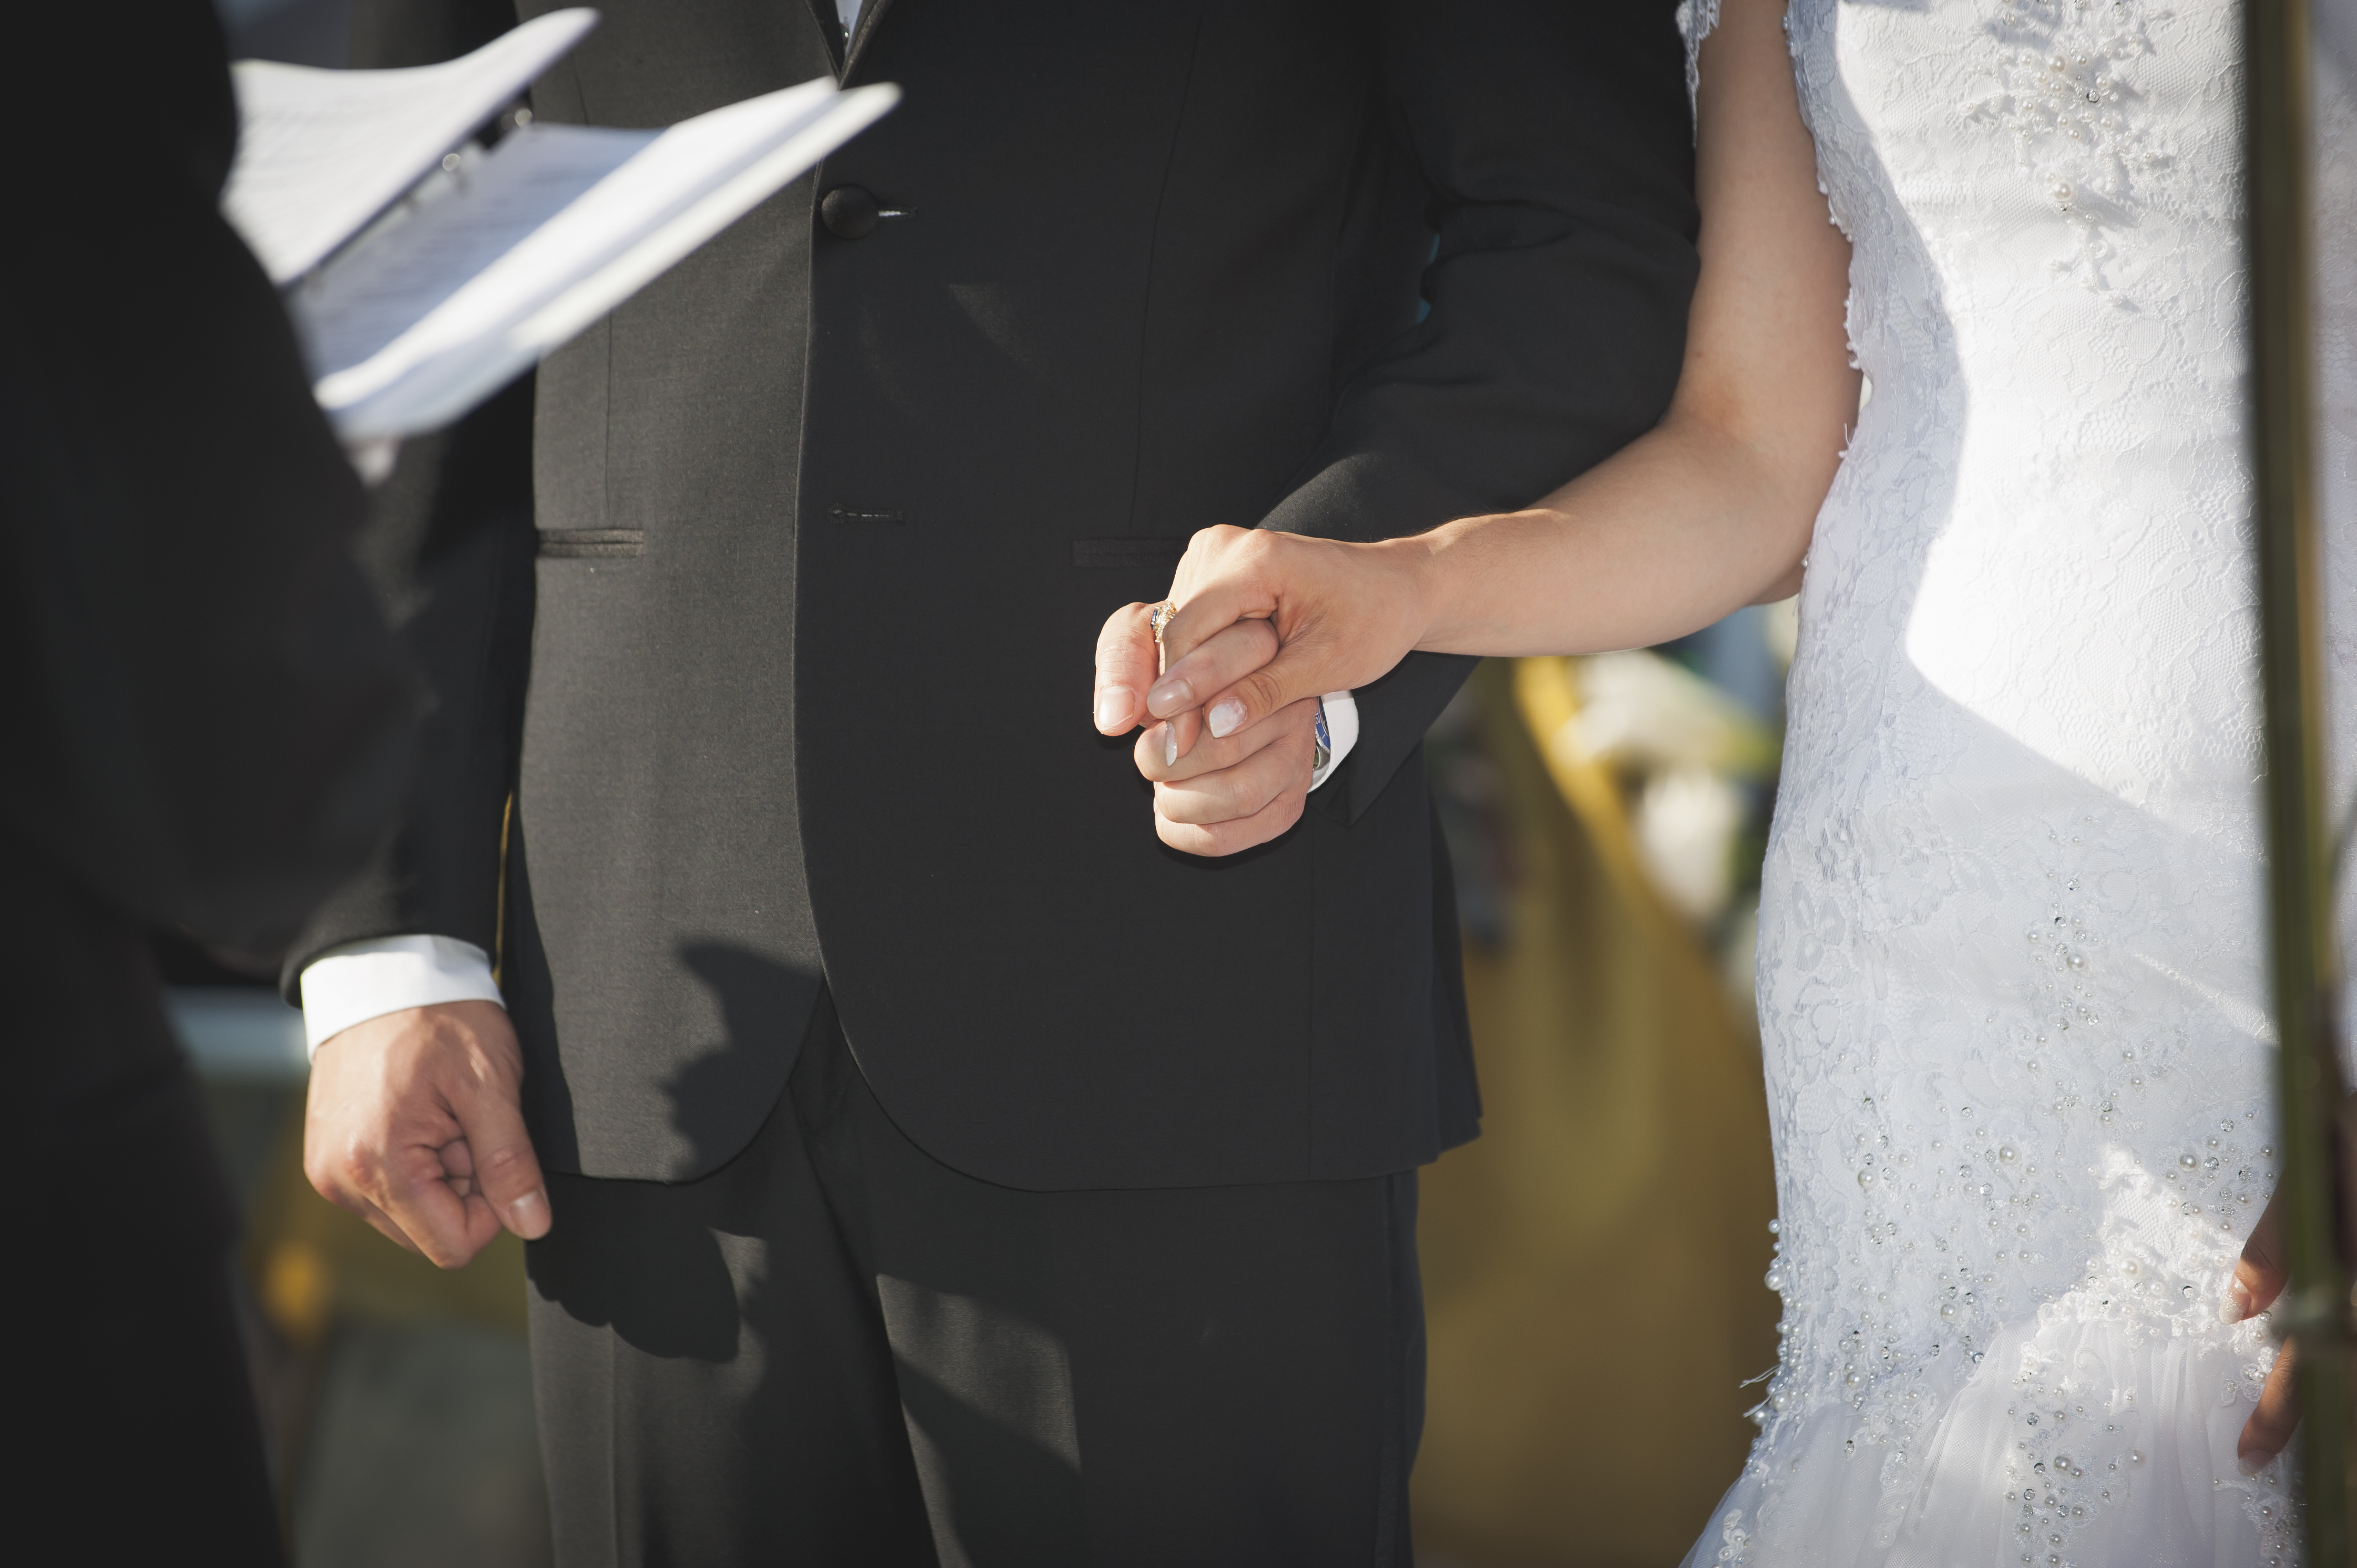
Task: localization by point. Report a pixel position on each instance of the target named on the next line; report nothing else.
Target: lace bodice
(2011, 988)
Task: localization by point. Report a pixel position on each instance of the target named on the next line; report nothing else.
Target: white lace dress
(2011, 965)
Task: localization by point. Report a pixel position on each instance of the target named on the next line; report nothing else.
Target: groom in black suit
(936, 1166)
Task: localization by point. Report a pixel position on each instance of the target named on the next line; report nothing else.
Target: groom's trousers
(835, 1349)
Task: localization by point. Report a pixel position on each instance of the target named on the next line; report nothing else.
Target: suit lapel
(870, 15)
(830, 29)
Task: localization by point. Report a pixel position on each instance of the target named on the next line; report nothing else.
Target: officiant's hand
(2259, 1278)
(414, 1123)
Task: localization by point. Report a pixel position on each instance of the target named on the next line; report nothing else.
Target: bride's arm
(1709, 511)
(1712, 509)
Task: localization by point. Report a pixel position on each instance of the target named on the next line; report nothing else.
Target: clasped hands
(1266, 622)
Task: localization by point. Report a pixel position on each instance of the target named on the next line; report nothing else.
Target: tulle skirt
(2086, 1442)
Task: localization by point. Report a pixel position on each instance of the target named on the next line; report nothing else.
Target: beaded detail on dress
(2011, 992)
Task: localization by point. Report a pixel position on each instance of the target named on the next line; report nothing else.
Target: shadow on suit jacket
(791, 511)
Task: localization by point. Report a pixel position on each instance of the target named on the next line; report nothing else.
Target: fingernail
(1113, 706)
(1170, 745)
(1224, 717)
(2252, 1464)
(530, 1213)
(1170, 697)
(2237, 1304)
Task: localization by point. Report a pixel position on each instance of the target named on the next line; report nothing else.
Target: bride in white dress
(2012, 995)
(2011, 964)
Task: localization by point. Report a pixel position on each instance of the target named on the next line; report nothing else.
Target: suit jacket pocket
(593, 542)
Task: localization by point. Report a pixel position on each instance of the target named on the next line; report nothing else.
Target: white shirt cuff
(1341, 714)
(360, 980)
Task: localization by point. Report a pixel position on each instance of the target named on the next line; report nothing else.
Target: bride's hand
(1343, 613)
(2259, 1279)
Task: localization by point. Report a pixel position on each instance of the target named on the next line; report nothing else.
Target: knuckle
(1206, 800)
(1264, 691)
(1179, 835)
(348, 1171)
(1173, 807)
(1121, 632)
(503, 1161)
(494, 1067)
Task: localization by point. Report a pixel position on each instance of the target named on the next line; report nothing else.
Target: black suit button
(849, 212)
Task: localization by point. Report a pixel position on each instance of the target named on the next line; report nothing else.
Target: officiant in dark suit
(902, 1185)
(204, 727)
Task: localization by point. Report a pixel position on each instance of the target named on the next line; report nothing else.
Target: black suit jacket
(205, 724)
(826, 526)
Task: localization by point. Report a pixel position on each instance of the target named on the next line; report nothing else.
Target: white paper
(554, 229)
(320, 153)
(349, 311)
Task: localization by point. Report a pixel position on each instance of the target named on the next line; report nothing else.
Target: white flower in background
(1643, 712)
(1687, 819)
(1685, 751)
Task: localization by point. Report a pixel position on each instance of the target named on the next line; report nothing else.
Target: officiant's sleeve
(1554, 141)
(448, 546)
(205, 723)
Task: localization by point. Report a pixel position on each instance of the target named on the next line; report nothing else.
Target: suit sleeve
(448, 545)
(207, 721)
(1554, 140)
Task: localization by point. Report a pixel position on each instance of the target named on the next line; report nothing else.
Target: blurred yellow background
(1593, 1264)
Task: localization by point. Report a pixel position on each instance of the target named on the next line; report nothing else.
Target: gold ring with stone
(1160, 617)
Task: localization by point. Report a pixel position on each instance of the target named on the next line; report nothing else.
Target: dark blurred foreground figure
(204, 724)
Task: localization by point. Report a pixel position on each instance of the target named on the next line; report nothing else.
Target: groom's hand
(1228, 793)
(414, 1123)
(1212, 795)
